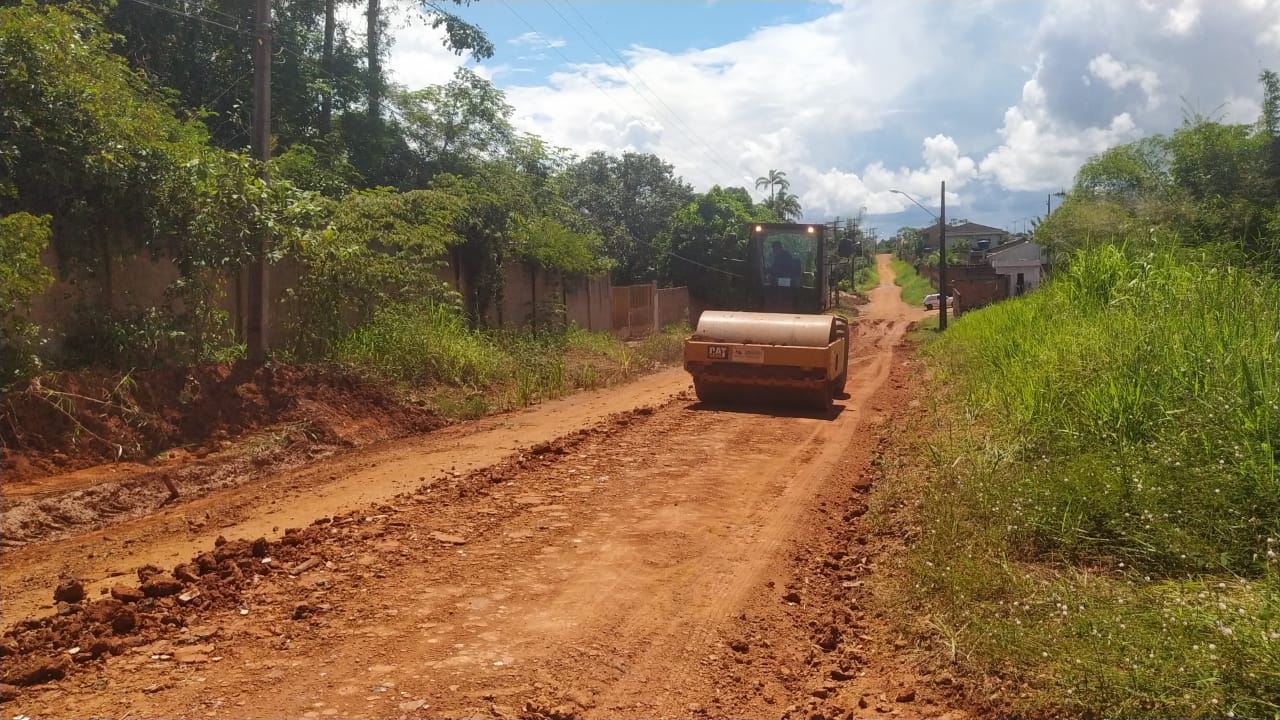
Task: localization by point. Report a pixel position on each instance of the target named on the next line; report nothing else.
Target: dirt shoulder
(219, 499)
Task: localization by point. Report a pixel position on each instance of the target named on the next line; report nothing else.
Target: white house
(1019, 263)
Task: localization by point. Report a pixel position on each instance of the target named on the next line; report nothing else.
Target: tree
(460, 36)
(629, 200)
(453, 127)
(786, 205)
(22, 238)
(776, 180)
(706, 245)
(90, 143)
(1211, 184)
(1269, 126)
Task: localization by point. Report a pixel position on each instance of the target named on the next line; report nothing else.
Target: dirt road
(672, 560)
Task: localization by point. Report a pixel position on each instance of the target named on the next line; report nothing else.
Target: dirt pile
(70, 420)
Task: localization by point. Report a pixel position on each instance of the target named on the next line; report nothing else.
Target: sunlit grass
(468, 373)
(1105, 528)
(914, 287)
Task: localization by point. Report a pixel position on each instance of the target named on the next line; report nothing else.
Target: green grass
(469, 373)
(868, 278)
(1103, 492)
(914, 287)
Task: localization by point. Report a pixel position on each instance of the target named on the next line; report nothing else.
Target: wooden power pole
(942, 261)
(257, 325)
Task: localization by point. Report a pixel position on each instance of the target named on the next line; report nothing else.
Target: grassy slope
(1107, 535)
(914, 287)
(470, 373)
(868, 278)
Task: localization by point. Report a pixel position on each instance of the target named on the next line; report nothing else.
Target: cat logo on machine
(717, 352)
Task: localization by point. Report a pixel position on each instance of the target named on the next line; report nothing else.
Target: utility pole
(1047, 208)
(833, 244)
(942, 261)
(257, 325)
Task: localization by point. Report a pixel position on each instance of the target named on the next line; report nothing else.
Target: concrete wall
(529, 292)
(673, 306)
(141, 281)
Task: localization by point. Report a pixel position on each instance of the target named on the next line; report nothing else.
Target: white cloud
(789, 97)
(538, 40)
(418, 56)
(1181, 19)
(861, 101)
(1042, 153)
(840, 191)
(1118, 76)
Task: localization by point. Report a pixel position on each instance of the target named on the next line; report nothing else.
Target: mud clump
(36, 670)
(125, 593)
(37, 651)
(69, 591)
(161, 585)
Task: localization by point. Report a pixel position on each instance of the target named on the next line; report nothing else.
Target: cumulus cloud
(1117, 76)
(860, 101)
(873, 189)
(1041, 153)
(1181, 19)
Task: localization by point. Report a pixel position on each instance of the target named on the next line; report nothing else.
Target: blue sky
(1002, 99)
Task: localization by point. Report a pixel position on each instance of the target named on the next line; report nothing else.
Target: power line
(588, 77)
(634, 73)
(234, 83)
(692, 138)
(189, 16)
(216, 11)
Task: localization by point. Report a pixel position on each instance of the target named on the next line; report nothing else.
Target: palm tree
(775, 180)
(787, 205)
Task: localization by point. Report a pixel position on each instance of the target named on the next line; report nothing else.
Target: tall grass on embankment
(914, 287)
(470, 373)
(1103, 506)
(868, 278)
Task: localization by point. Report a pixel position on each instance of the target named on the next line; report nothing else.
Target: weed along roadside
(1102, 537)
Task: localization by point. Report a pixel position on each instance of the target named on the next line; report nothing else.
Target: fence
(642, 309)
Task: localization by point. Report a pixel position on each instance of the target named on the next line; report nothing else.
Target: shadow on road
(771, 410)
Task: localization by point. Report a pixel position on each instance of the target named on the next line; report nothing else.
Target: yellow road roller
(768, 358)
(780, 348)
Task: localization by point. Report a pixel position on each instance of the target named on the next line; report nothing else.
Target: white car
(931, 301)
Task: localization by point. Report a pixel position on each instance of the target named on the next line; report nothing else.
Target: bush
(22, 276)
(423, 343)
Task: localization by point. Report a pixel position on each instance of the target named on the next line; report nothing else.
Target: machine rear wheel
(837, 385)
(709, 392)
(822, 397)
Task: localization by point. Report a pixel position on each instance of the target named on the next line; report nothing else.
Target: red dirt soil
(72, 420)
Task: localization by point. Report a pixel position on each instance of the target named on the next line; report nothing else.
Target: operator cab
(787, 265)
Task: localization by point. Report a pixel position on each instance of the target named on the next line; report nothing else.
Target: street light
(935, 217)
(941, 219)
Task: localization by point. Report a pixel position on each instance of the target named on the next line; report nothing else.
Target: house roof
(1007, 246)
(963, 229)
